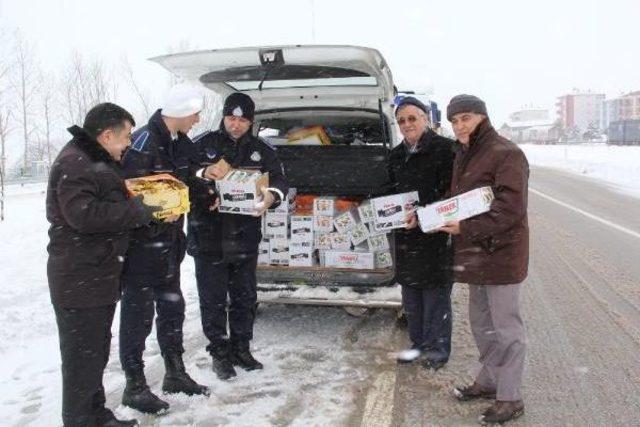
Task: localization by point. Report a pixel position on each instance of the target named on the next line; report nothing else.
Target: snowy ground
(318, 359)
(617, 165)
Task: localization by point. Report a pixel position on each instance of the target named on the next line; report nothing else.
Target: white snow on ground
(618, 165)
(303, 383)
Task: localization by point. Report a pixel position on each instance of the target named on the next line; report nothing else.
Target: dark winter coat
(153, 248)
(215, 234)
(492, 248)
(423, 260)
(90, 218)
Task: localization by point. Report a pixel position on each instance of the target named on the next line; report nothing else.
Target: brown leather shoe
(474, 391)
(502, 411)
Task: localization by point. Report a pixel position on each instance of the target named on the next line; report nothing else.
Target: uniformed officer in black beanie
(224, 245)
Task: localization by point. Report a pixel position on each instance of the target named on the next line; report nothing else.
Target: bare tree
(141, 93)
(47, 98)
(25, 84)
(5, 117)
(83, 86)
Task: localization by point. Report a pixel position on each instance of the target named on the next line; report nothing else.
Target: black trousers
(235, 277)
(85, 340)
(428, 313)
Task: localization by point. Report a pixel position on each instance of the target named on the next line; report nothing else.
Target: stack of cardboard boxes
(328, 234)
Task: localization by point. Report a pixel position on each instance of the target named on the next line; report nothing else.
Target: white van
(348, 92)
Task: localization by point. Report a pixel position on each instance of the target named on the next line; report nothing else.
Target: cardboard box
(276, 225)
(324, 206)
(263, 252)
(365, 210)
(348, 259)
(340, 241)
(301, 228)
(322, 241)
(279, 251)
(161, 190)
(383, 259)
(311, 135)
(378, 243)
(373, 232)
(346, 221)
(461, 207)
(391, 211)
(359, 234)
(300, 255)
(240, 190)
(322, 223)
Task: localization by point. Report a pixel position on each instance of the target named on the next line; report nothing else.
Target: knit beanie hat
(465, 104)
(410, 100)
(240, 105)
(182, 100)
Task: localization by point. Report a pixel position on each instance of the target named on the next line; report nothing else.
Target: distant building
(531, 126)
(581, 111)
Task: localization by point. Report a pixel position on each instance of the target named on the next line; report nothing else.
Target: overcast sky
(510, 53)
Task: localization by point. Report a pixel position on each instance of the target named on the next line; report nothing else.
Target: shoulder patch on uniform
(267, 143)
(202, 135)
(141, 141)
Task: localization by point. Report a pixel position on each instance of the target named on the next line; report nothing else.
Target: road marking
(378, 408)
(587, 214)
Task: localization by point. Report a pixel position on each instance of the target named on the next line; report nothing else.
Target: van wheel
(356, 311)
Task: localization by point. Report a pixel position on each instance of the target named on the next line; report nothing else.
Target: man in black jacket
(423, 163)
(152, 267)
(90, 218)
(225, 246)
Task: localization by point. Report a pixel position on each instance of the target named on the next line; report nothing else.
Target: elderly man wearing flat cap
(491, 254)
(422, 163)
(151, 275)
(224, 245)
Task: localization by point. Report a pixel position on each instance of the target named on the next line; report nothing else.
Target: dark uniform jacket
(218, 234)
(160, 246)
(423, 260)
(492, 248)
(90, 218)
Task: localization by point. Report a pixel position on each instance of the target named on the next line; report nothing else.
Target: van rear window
(304, 131)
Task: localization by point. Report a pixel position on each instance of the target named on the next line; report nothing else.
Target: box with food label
(383, 259)
(324, 206)
(390, 212)
(340, 241)
(263, 252)
(240, 190)
(276, 225)
(301, 228)
(365, 210)
(346, 221)
(322, 241)
(359, 234)
(322, 223)
(462, 206)
(279, 251)
(300, 255)
(378, 243)
(161, 190)
(349, 259)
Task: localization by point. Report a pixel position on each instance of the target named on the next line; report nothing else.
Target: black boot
(176, 379)
(137, 394)
(221, 364)
(241, 356)
(105, 418)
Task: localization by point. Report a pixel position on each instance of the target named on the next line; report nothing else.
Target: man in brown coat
(491, 254)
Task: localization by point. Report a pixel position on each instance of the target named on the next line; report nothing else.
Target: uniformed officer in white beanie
(151, 274)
